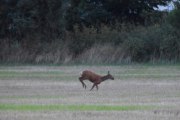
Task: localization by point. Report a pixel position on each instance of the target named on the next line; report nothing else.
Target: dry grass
(105, 54)
(156, 86)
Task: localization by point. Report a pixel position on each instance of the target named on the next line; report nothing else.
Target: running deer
(94, 78)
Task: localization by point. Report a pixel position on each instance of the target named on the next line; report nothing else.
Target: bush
(160, 42)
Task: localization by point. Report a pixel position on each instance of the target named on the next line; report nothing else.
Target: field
(139, 92)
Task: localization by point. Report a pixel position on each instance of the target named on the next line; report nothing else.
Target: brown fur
(94, 78)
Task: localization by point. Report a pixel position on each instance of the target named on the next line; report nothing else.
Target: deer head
(110, 76)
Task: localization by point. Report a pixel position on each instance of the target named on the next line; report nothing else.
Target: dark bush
(174, 16)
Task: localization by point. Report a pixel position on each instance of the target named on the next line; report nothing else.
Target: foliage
(20, 18)
(153, 43)
(49, 18)
(108, 31)
(174, 16)
(96, 12)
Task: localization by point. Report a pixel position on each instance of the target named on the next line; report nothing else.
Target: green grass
(36, 75)
(121, 72)
(31, 97)
(147, 76)
(59, 107)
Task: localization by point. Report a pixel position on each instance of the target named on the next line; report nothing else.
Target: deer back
(93, 77)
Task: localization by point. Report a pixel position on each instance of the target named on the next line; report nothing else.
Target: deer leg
(96, 86)
(83, 84)
(93, 86)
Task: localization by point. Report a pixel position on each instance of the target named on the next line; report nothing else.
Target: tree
(23, 17)
(96, 12)
(174, 16)
(86, 13)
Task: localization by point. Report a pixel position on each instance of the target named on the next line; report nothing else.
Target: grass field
(150, 92)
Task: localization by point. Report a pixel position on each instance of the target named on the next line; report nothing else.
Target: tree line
(33, 25)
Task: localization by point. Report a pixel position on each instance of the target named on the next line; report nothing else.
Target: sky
(169, 7)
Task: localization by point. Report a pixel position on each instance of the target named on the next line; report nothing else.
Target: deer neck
(103, 78)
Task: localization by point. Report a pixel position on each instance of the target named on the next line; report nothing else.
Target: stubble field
(139, 92)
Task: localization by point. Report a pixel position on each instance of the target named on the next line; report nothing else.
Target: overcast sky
(169, 7)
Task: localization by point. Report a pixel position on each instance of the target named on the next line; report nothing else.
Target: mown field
(148, 92)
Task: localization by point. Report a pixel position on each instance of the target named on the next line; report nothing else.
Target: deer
(94, 78)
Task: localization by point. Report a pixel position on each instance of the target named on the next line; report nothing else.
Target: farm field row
(54, 92)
